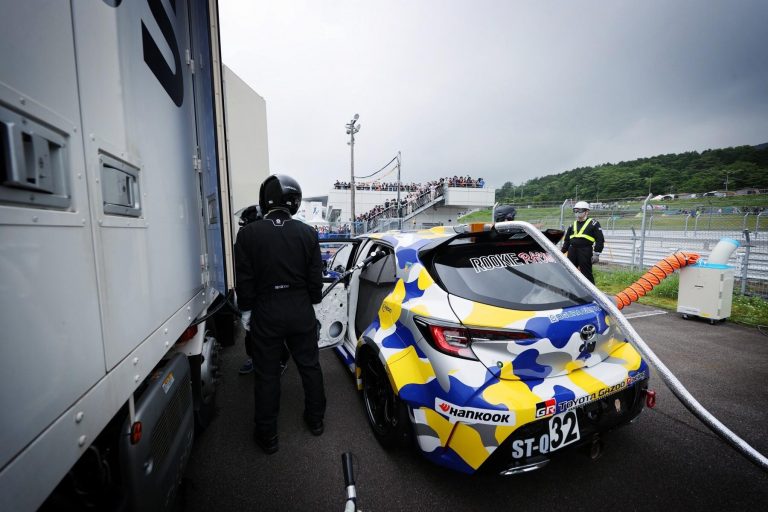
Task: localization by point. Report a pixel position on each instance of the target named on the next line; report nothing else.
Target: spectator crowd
(326, 230)
(376, 186)
(418, 196)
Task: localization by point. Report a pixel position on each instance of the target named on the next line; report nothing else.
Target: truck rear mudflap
(154, 464)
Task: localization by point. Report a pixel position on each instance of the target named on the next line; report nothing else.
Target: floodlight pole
(399, 213)
(352, 129)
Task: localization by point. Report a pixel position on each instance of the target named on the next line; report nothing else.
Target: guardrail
(750, 260)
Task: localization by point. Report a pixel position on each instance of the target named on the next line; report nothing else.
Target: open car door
(332, 313)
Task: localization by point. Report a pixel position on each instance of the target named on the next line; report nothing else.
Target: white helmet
(580, 209)
(581, 205)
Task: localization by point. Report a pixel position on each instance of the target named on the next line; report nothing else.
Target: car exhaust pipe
(525, 468)
(667, 376)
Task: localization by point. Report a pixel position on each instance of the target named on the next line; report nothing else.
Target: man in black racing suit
(279, 277)
(251, 214)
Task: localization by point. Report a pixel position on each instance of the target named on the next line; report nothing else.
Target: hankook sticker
(473, 415)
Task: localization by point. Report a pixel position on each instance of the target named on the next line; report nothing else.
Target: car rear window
(513, 274)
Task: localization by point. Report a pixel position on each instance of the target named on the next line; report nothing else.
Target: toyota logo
(588, 332)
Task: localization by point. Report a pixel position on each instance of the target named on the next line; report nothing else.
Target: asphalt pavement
(666, 460)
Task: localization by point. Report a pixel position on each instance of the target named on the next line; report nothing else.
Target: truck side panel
(26, 481)
(148, 262)
(210, 174)
(102, 273)
(51, 351)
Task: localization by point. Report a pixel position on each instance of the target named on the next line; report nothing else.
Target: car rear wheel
(387, 415)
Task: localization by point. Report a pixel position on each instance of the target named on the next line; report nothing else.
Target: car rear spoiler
(491, 232)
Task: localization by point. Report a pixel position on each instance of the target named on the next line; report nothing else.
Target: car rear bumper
(595, 418)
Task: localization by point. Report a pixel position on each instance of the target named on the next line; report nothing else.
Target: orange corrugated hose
(659, 271)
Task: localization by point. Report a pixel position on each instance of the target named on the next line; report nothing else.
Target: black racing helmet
(250, 214)
(504, 213)
(279, 191)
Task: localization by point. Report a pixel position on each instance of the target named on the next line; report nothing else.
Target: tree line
(690, 172)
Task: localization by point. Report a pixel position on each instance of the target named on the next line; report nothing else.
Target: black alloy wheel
(387, 415)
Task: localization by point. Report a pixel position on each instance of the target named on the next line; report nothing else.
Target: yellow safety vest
(580, 233)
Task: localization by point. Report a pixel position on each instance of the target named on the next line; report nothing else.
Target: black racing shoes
(268, 444)
(316, 427)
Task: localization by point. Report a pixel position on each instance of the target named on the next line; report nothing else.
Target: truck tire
(223, 322)
(226, 322)
(205, 376)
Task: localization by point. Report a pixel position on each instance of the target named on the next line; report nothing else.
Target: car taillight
(451, 340)
(456, 340)
(480, 335)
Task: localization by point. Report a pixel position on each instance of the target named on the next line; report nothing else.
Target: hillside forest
(690, 172)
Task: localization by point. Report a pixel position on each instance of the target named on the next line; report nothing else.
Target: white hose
(669, 379)
(722, 251)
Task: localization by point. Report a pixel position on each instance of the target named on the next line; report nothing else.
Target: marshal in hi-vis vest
(579, 233)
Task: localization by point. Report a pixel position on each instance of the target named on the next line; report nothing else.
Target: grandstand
(435, 203)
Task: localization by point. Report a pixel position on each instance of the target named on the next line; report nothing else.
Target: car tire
(386, 413)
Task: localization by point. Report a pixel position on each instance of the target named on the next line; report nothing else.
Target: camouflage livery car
(480, 346)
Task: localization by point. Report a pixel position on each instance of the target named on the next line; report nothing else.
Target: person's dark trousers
(581, 257)
(266, 366)
(284, 356)
(249, 344)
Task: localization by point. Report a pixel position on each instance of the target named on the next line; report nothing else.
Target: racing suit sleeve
(567, 239)
(598, 236)
(315, 276)
(245, 277)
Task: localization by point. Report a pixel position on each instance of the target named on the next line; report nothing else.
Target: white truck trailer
(115, 241)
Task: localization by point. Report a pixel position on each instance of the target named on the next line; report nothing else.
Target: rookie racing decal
(472, 415)
(509, 259)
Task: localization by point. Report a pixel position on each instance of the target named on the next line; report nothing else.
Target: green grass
(717, 202)
(550, 217)
(745, 310)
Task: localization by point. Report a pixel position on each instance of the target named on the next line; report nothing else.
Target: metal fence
(333, 230)
(639, 234)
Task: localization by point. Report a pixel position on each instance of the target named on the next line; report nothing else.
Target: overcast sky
(504, 90)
